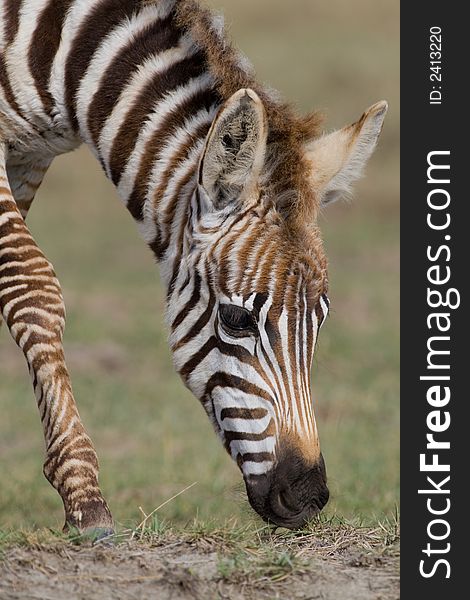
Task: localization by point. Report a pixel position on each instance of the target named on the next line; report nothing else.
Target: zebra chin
(291, 492)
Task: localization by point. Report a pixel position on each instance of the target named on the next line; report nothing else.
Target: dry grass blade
(141, 526)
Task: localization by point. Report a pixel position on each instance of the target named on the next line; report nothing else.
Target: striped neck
(144, 100)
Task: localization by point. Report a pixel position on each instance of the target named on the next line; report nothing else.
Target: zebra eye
(237, 320)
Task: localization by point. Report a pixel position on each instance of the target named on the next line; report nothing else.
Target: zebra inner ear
(235, 148)
(339, 158)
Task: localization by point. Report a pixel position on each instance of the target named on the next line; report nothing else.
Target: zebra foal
(225, 183)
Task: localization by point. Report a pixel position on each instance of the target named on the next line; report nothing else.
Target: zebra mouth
(276, 511)
(289, 496)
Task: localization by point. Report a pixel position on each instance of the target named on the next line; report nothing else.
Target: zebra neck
(144, 105)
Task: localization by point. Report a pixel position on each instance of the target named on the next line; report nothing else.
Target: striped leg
(25, 179)
(33, 309)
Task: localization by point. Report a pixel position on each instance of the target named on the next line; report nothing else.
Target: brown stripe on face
(224, 263)
(197, 358)
(264, 266)
(200, 323)
(192, 302)
(256, 457)
(228, 242)
(310, 342)
(154, 148)
(243, 413)
(292, 338)
(304, 364)
(303, 360)
(160, 85)
(156, 38)
(11, 19)
(242, 354)
(276, 381)
(244, 255)
(256, 412)
(107, 15)
(232, 436)
(259, 301)
(228, 380)
(272, 328)
(44, 45)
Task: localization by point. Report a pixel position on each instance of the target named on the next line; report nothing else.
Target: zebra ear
(338, 159)
(235, 150)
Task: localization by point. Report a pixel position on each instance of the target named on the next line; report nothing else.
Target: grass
(264, 555)
(152, 437)
(246, 554)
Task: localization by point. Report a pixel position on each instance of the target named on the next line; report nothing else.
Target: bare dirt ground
(344, 565)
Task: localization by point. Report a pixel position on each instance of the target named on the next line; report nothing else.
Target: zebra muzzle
(290, 494)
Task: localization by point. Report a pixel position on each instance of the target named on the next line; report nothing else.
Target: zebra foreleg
(33, 309)
(25, 178)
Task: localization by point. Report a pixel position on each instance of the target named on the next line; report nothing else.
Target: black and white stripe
(131, 82)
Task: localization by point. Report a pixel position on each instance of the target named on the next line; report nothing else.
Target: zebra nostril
(284, 506)
(285, 500)
(286, 511)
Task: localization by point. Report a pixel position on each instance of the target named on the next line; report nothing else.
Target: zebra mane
(285, 175)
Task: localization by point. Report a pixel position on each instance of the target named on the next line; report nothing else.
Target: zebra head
(251, 298)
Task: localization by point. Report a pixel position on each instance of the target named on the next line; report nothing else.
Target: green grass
(152, 437)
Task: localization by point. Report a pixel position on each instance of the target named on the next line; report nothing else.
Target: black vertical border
(426, 128)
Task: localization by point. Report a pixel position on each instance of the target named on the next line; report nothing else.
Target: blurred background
(152, 437)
